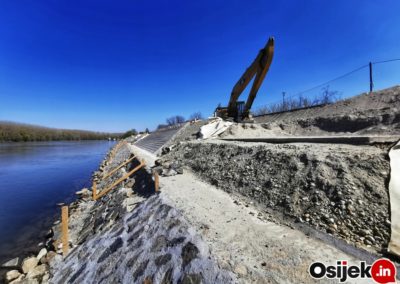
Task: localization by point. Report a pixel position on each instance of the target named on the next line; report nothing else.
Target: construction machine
(239, 110)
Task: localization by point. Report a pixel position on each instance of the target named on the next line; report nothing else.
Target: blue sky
(116, 65)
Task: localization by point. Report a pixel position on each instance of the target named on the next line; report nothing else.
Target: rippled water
(34, 176)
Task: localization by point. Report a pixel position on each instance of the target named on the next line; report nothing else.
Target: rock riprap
(152, 243)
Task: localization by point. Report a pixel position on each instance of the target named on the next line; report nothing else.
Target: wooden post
(64, 230)
(94, 191)
(156, 181)
(371, 82)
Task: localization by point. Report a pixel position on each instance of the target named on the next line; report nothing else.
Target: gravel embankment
(338, 189)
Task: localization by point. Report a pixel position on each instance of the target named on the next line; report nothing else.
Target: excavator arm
(259, 69)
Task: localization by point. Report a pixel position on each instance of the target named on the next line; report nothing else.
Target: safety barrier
(124, 177)
(117, 168)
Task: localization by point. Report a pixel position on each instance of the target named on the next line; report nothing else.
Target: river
(34, 176)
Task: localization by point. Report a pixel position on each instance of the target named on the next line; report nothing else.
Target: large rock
(168, 172)
(37, 272)
(12, 263)
(45, 278)
(24, 280)
(48, 257)
(55, 259)
(240, 269)
(19, 280)
(129, 183)
(41, 253)
(12, 275)
(84, 193)
(29, 263)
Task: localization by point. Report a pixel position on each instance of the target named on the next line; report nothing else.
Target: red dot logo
(383, 271)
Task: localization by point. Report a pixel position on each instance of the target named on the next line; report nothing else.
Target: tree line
(18, 132)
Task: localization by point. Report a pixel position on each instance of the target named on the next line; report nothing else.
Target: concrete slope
(156, 140)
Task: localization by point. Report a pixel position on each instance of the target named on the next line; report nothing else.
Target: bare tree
(196, 115)
(262, 110)
(173, 120)
(161, 126)
(327, 96)
(304, 102)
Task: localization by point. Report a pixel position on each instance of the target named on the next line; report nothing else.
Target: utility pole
(371, 82)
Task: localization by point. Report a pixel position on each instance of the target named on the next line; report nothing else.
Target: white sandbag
(394, 193)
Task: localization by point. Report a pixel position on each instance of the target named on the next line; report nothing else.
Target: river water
(34, 176)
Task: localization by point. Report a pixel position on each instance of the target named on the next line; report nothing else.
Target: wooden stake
(156, 181)
(94, 191)
(64, 230)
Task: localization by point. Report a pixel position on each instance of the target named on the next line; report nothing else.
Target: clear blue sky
(116, 65)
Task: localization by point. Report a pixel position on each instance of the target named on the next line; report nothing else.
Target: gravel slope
(241, 236)
(339, 189)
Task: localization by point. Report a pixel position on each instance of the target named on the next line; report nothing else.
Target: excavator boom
(259, 69)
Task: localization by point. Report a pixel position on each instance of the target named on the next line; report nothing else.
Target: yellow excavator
(239, 110)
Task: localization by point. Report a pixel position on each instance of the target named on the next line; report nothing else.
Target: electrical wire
(337, 78)
(332, 80)
(384, 61)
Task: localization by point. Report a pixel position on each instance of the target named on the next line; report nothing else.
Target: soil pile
(366, 114)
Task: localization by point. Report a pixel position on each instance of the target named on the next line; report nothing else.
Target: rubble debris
(214, 128)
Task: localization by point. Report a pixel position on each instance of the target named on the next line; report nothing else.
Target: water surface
(34, 176)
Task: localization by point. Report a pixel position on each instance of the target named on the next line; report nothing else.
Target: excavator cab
(239, 110)
(236, 115)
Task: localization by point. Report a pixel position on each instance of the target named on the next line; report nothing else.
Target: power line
(384, 61)
(339, 77)
(327, 82)
(332, 80)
